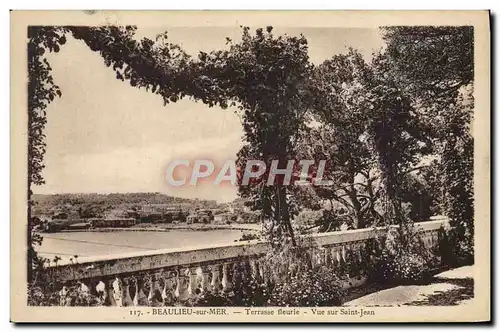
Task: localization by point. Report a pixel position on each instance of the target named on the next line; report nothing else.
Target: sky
(105, 136)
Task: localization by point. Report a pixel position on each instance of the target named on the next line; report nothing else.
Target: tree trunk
(30, 252)
(356, 205)
(283, 215)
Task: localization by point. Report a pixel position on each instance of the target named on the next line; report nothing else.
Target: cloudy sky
(105, 136)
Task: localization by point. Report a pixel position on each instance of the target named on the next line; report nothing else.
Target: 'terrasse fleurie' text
(313, 311)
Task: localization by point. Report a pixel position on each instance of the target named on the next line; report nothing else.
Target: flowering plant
(315, 287)
(402, 257)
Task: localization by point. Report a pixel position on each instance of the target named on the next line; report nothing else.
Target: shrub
(37, 296)
(209, 299)
(297, 282)
(402, 257)
(454, 249)
(248, 237)
(315, 287)
(246, 292)
(47, 295)
(249, 291)
(292, 281)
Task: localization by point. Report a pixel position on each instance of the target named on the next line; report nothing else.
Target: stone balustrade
(164, 277)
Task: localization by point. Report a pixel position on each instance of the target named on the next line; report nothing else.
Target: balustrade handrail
(128, 263)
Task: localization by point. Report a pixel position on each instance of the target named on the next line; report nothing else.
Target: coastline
(167, 228)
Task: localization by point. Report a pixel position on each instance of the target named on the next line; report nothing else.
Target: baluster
(116, 291)
(357, 251)
(216, 283)
(322, 256)
(244, 270)
(226, 283)
(163, 292)
(92, 284)
(236, 272)
(199, 278)
(327, 256)
(109, 292)
(333, 255)
(205, 279)
(127, 300)
(311, 255)
(338, 255)
(140, 298)
(100, 289)
(362, 251)
(181, 290)
(93, 291)
(171, 283)
(63, 296)
(262, 271)
(153, 284)
(166, 294)
(254, 269)
(84, 291)
(351, 252)
(193, 282)
(315, 253)
(346, 253)
(178, 280)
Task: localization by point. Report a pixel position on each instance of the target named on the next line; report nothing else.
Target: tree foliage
(395, 130)
(432, 62)
(436, 67)
(156, 65)
(267, 77)
(41, 91)
(370, 133)
(338, 96)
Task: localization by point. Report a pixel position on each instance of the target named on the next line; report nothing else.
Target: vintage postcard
(239, 166)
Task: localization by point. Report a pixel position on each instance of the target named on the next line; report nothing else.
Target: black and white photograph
(220, 170)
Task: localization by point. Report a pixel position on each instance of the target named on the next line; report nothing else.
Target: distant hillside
(100, 203)
(240, 202)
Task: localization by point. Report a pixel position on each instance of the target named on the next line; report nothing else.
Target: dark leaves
(41, 91)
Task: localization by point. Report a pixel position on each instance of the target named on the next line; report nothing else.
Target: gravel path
(451, 287)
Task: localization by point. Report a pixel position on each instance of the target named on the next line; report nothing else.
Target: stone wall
(125, 279)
